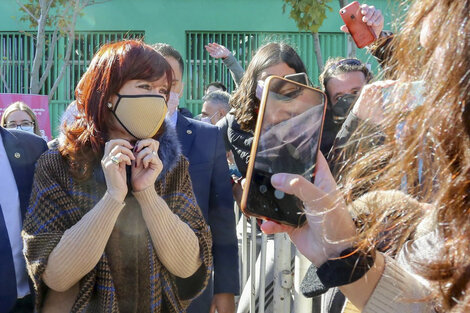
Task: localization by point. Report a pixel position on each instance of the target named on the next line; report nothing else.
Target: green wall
(167, 20)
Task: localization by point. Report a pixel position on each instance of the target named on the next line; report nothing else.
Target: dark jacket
(203, 147)
(23, 149)
(236, 140)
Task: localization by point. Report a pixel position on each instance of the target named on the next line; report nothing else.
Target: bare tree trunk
(34, 86)
(317, 48)
(70, 39)
(52, 45)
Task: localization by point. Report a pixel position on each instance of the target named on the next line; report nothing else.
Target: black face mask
(341, 108)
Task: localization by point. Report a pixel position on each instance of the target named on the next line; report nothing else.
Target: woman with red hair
(113, 225)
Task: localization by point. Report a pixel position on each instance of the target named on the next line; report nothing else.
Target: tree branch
(316, 44)
(42, 21)
(90, 2)
(49, 5)
(50, 57)
(27, 11)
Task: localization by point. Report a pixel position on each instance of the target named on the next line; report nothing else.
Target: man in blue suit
(203, 146)
(19, 152)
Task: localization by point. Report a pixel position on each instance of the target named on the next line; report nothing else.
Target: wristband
(351, 266)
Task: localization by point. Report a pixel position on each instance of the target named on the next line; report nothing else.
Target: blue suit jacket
(23, 150)
(203, 146)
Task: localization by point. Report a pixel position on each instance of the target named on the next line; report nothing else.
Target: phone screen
(287, 138)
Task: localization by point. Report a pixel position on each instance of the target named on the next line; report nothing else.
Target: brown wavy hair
(426, 150)
(244, 100)
(112, 66)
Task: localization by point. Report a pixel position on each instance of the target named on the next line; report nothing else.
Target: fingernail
(277, 180)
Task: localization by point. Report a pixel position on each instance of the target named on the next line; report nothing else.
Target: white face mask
(207, 119)
(29, 129)
(173, 102)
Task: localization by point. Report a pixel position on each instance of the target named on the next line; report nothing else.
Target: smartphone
(362, 34)
(299, 77)
(286, 139)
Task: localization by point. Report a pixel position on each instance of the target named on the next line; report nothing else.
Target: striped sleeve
(398, 291)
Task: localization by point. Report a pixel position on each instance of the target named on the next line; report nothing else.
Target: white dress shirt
(10, 203)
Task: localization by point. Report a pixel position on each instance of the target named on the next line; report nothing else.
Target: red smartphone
(362, 34)
(287, 139)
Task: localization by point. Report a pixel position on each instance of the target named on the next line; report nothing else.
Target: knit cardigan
(59, 201)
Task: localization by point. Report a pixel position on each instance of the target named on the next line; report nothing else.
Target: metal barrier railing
(270, 280)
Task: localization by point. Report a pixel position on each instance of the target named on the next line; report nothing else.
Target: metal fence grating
(202, 69)
(17, 53)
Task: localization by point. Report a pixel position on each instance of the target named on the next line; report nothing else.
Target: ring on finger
(115, 160)
(154, 153)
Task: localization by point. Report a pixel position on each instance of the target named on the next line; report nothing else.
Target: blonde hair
(20, 106)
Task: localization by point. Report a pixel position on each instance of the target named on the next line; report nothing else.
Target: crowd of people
(130, 209)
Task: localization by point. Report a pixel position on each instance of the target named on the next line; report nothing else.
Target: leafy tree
(309, 16)
(60, 16)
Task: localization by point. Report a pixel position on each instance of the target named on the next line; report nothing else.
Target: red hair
(112, 66)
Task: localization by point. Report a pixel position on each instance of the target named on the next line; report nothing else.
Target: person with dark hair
(204, 148)
(215, 86)
(19, 152)
(113, 224)
(178, 86)
(342, 80)
(238, 125)
(425, 155)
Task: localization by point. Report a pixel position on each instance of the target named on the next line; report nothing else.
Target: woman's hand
(372, 17)
(371, 102)
(217, 51)
(117, 154)
(329, 228)
(147, 165)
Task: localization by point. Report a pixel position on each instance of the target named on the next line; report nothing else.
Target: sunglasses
(355, 62)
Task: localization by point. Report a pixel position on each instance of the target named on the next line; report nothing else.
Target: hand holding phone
(362, 34)
(286, 139)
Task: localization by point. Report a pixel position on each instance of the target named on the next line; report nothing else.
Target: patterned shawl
(58, 202)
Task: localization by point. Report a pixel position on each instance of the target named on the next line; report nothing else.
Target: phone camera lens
(278, 194)
(263, 188)
(342, 11)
